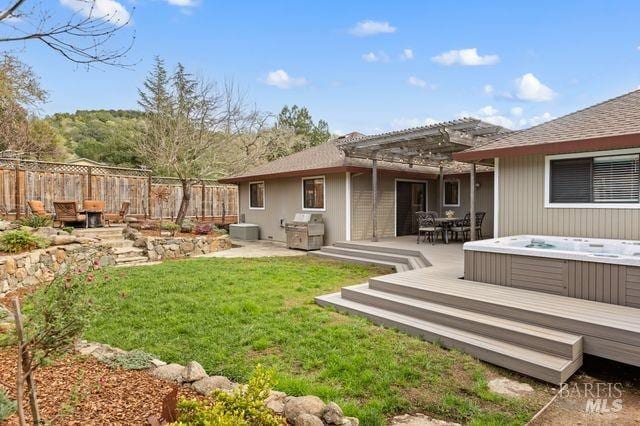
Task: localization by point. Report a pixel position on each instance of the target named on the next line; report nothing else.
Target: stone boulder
(61, 240)
(419, 420)
(193, 372)
(169, 372)
(206, 385)
(308, 420)
(294, 406)
(5, 225)
(508, 387)
(332, 414)
(275, 402)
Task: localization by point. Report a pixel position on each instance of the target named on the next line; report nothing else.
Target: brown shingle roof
(614, 118)
(324, 158)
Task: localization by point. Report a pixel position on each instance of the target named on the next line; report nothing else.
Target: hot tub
(602, 270)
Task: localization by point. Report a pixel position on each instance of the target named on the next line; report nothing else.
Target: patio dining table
(446, 223)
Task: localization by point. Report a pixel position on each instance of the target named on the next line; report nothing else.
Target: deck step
(548, 367)
(399, 267)
(384, 249)
(581, 317)
(389, 257)
(538, 338)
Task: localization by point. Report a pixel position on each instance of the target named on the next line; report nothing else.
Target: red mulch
(79, 390)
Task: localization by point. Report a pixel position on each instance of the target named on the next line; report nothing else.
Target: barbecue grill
(306, 232)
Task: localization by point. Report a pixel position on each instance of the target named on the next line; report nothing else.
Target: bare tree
(85, 36)
(190, 127)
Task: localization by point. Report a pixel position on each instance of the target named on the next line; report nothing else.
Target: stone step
(140, 263)
(121, 252)
(399, 267)
(538, 338)
(118, 243)
(547, 367)
(130, 259)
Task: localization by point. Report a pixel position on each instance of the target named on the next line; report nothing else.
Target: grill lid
(306, 218)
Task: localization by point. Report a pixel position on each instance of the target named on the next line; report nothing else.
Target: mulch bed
(79, 390)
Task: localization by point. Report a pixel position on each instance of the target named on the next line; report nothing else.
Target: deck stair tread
(549, 367)
(384, 249)
(422, 282)
(533, 336)
(410, 260)
(400, 267)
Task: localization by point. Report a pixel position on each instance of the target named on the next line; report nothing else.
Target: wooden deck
(538, 334)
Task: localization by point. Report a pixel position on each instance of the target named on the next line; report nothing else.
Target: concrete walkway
(249, 249)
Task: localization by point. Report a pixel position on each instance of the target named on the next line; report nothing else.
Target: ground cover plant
(18, 241)
(233, 314)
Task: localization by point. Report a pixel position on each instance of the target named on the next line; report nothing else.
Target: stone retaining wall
(41, 266)
(158, 248)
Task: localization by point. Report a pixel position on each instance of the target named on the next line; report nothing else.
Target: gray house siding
(522, 210)
(283, 199)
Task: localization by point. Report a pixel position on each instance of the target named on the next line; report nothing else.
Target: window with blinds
(608, 179)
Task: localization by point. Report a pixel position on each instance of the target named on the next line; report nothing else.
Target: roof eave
(562, 147)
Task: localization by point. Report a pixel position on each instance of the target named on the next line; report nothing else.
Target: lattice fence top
(51, 167)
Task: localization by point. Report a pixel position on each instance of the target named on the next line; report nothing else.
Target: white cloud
(488, 89)
(415, 81)
(405, 123)
(535, 120)
(487, 110)
(371, 28)
(491, 115)
(638, 48)
(282, 80)
(517, 111)
(465, 57)
(529, 88)
(407, 54)
(109, 10)
(375, 57)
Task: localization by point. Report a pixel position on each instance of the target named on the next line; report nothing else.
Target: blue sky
(373, 66)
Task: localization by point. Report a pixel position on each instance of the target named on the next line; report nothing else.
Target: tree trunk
(184, 203)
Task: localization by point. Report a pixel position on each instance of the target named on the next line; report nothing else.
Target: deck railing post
(374, 189)
(472, 201)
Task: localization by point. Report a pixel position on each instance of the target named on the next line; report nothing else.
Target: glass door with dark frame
(411, 197)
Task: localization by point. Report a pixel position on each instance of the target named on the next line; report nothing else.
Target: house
(577, 175)
(336, 179)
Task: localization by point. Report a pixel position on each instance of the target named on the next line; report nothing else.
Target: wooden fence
(25, 180)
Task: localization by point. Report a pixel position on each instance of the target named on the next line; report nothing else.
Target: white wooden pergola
(431, 145)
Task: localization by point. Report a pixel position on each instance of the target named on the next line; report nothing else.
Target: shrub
(133, 360)
(18, 240)
(202, 229)
(245, 406)
(68, 229)
(36, 221)
(7, 406)
(171, 227)
(187, 225)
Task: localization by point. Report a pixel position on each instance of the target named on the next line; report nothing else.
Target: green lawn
(231, 314)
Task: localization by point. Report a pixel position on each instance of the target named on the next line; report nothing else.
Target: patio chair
(427, 226)
(37, 209)
(118, 217)
(479, 219)
(94, 206)
(67, 212)
(461, 227)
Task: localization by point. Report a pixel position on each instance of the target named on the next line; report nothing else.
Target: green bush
(68, 229)
(171, 227)
(245, 406)
(36, 221)
(133, 360)
(7, 406)
(18, 241)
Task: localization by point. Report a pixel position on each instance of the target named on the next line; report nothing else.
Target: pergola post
(441, 192)
(472, 200)
(374, 190)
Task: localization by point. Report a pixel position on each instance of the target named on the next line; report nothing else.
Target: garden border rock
(159, 248)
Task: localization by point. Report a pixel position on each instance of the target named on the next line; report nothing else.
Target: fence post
(149, 182)
(202, 207)
(16, 195)
(89, 187)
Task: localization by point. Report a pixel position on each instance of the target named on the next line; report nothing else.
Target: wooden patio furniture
(37, 209)
(67, 212)
(93, 209)
(428, 228)
(120, 216)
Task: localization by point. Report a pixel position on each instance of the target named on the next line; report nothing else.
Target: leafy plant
(36, 221)
(187, 225)
(17, 241)
(133, 360)
(68, 229)
(203, 229)
(245, 406)
(171, 227)
(7, 406)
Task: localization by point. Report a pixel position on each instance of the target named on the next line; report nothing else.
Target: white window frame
(444, 184)
(547, 181)
(264, 195)
(324, 193)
